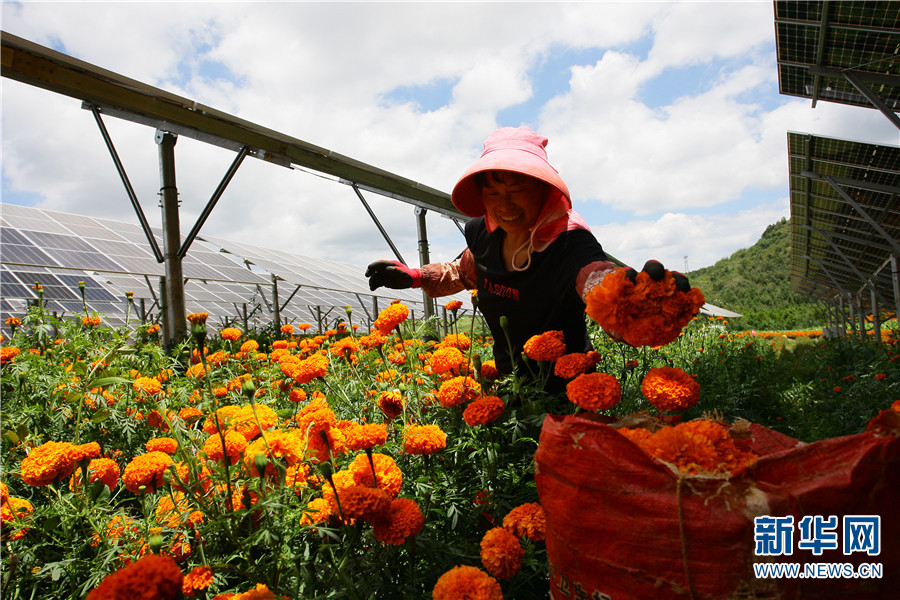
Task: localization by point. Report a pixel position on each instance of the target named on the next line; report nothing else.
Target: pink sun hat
(517, 149)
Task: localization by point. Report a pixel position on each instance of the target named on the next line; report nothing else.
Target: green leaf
(74, 397)
(12, 436)
(80, 368)
(100, 415)
(104, 381)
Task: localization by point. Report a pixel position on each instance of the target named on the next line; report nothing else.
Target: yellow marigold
(570, 366)
(594, 391)
(147, 385)
(49, 462)
(365, 436)
(466, 583)
(391, 403)
(152, 577)
(403, 519)
(197, 580)
(695, 447)
(447, 359)
(545, 347)
(387, 473)
(146, 470)
(458, 390)
(424, 439)
(391, 317)
(527, 520)
(163, 444)
(670, 389)
(501, 553)
(197, 318)
(643, 313)
(232, 334)
(235, 444)
(483, 411)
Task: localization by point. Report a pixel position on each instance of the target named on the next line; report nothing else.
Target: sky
(664, 118)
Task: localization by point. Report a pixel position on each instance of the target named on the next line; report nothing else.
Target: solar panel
(845, 52)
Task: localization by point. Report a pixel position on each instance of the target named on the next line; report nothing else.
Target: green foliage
(755, 282)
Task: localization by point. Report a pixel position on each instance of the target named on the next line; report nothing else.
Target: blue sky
(664, 118)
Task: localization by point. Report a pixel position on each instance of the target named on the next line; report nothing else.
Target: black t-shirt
(541, 298)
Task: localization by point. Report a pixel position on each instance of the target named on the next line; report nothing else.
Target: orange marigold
(458, 390)
(345, 347)
(643, 313)
(235, 444)
(527, 520)
(276, 444)
(670, 388)
(177, 513)
(594, 391)
(99, 469)
(545, 347)
(483, 411)
(147, 385)
(456, 340)
(310, 368)
(501, 553)
(152, 577)
(403, 520)
(7, 353)
(466, 583)
(387, 473)
(49, 462)
(13, 510)
(424, 439)
(232, 334)
(197, 580)
(146, 471)
(391, 317)
(391, 403)
(198, 318)
(570, 366)
(489, 370)
(447, 359)
(366, 436)
(453, 305)
(163, 444)
(364, 503)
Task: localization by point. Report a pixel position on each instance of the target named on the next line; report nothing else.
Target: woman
(530, 256)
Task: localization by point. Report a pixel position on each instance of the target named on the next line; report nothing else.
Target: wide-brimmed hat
(517, 149)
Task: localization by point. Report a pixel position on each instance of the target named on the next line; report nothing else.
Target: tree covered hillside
(756, 282)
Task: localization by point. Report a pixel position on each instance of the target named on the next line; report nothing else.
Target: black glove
(392, 274)
(656, 271)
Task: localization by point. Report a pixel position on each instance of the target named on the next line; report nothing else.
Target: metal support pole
(319, 318)
(424, 258)
(861, 315)
(275, 301)
(876, 319)
(174, 290)
(244, 315)
(895, 279)
(164, 313)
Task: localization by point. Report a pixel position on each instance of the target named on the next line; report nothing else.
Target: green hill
(756, 282)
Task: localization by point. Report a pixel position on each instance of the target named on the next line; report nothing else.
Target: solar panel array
(858, 37)
(837, 246)
(235, 283)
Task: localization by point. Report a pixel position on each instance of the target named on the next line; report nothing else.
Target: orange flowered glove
(649, 308)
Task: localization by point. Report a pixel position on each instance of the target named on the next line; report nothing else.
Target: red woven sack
(622, 525)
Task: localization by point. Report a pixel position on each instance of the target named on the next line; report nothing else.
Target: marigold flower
(466, 583)
(456, 340)
(391, 317)
(570, 366)
(49, 462)
(458, 390)
(146, 470)
(403, 519)
(189, 414)
(197, 318)
(453, 305)
(286, 446)
(643, 313)
(447, 359)
(345, 347)
(248, 419)
(8, 353)
(501, 553)
(235, 444)
(387, 473)
(232, 334)
(695, 447)
(147, 385)
(545, 347)
(366, 436)
(489, 370)
(527, 520)
(391, 403)
(163, 444)
(670, 389)
(424, 439)
(13, 510)
(374, 340)
(594, 391)
(317, 511)
(197, 580)
(177, 513)
(104, 469)
(310, 368)
(152, 577)
(483, 411)
(224, 415)
(364, 503)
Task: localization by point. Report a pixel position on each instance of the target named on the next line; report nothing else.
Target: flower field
(348, 463)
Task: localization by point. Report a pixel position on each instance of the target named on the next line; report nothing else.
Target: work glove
(392, 274)
(657, 271)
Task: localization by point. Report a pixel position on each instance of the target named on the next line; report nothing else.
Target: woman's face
(513, 201)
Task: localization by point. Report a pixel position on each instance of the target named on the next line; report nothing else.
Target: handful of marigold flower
(643, 311)
(545, 347)
(700, 447)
